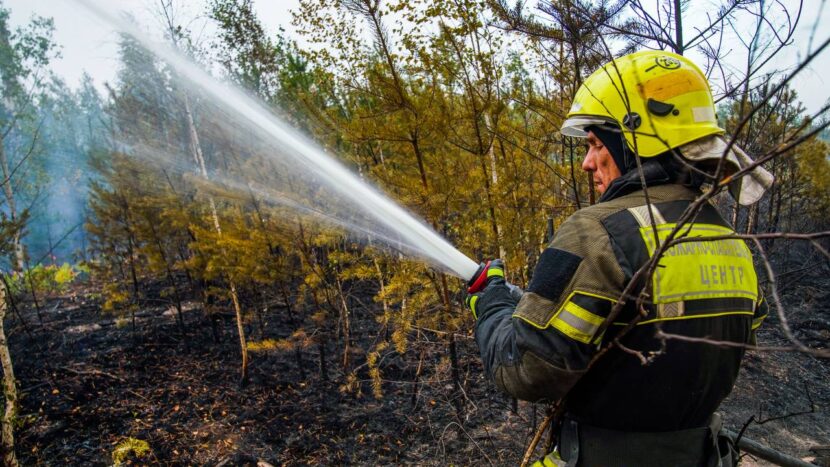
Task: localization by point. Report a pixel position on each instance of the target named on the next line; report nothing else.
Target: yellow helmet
(660, 100)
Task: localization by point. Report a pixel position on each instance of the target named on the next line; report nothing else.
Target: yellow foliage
(377, 389)
(372, 359)
(301, 338)
(351, 386)
(437, 125)
(319, 317)
(64, 274)
(267, 345)
(814, 167)
(400, 340)
(114, 297)
(129, 446)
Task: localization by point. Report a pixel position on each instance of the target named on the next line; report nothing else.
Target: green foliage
(25, 54)
(247, 51)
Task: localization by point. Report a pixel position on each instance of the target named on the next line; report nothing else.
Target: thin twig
(720, 343)
(535, 441)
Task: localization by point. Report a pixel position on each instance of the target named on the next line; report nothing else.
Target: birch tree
(25, 54)
(175, 34)
(9, 390)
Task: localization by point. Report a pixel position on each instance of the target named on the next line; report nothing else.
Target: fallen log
(768, 454)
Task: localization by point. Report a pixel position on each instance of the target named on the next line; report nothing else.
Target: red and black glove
(489, 278)
(486, 271)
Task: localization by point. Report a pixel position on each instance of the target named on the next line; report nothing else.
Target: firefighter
(650, 124)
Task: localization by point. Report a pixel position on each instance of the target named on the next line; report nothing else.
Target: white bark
(196, 149)
(8, 192)
(494, 181)
(9, 390)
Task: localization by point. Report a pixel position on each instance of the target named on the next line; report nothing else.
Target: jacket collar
(653, 172)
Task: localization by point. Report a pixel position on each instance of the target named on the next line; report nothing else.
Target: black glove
(494, 279)
(485, 271)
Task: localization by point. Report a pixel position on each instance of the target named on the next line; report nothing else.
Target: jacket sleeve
(536, 349)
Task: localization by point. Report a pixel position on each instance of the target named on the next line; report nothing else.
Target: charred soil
(88, 382)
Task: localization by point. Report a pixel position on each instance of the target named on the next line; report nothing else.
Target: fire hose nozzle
(479, 279)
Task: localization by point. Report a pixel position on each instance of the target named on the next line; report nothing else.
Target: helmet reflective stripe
(660, 100)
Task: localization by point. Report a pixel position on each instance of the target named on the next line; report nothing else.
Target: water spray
(417, 236)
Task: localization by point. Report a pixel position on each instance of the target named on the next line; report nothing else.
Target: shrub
(44, 279)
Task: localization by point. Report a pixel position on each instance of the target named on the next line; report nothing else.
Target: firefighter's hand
(494, 278)
(486, 272)
(496, 269)
(471, 300)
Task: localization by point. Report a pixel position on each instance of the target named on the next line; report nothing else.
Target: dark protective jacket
(538, 348)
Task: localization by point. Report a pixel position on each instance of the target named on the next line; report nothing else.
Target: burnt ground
(88, 382)
(784, 398)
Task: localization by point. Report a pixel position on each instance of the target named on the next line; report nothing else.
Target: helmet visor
(575, 126)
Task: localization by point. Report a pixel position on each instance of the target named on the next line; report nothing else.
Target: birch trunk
(346, 322)
(494, 182)
(8, 192)
(9, 390)
(196, 149)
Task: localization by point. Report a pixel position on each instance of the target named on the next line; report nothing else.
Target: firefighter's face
(599, 163)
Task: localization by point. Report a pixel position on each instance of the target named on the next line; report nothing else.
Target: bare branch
(823, 353)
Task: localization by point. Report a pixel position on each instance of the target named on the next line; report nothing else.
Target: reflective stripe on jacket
(538, 349)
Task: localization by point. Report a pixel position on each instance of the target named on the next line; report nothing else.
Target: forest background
(138, 206)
